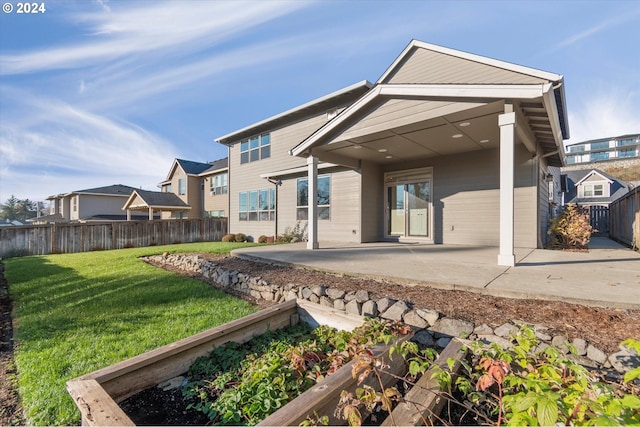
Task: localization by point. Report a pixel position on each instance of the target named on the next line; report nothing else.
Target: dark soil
(602, 327)
(155, 407)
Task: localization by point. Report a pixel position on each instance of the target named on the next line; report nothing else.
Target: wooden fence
(624, 219)
(599, 219)
(77, 237)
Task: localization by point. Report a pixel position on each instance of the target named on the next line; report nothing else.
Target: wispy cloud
(605, 113)
(87, 145)
(594, 30)
(148, 29)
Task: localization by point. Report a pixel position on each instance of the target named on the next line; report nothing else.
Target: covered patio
(154, 201)
(607, 275)
(460, 134)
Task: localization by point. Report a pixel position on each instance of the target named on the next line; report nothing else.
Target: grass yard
(75, 313)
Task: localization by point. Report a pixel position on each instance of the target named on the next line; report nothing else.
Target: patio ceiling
(473, 126)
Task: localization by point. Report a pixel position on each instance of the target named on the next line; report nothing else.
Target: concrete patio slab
(608, 275)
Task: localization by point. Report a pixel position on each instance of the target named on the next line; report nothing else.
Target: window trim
(324, 210)
(257, 214)
(255, 148)
(590, 187)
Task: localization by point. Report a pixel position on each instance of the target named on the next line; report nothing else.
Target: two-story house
(201, 186)
(445, 147)
(93, 204)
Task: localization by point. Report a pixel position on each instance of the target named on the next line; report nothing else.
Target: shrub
(229, 238)
(241, 237)
(262, 239)
(295, 234)
(570, 229)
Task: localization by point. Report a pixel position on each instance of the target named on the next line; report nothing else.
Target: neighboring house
(599, 150)
(93, 204)
(201, 186)
(11, 223)
(591, 188)
(594, 190)
(167, 204)
(446, 147)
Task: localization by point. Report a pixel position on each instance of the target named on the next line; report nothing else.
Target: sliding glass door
(408, 209)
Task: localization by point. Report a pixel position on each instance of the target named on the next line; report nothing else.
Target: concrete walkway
(606, 276)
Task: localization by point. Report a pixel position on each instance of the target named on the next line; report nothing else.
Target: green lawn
(75, 313)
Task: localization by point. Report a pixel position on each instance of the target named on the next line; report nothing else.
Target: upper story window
(571, 160)
(324, 198)
(182, 186)
(255, 148)
(599, 145)
(166, 188)
(595, 190)
(576, 148)
(218, 184)
(628, 141)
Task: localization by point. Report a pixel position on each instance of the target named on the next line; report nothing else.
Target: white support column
(507, 123)
(128, 214)
(312, 190)
(150, 214)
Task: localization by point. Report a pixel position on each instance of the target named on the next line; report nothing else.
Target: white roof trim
(549, 101)
(363, 83)
(472, 57)
(590, 174)
(297, 170)
(436, 91)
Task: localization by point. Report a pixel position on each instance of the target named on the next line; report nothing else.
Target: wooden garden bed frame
(97, 394)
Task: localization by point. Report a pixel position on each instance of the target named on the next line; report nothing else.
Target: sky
(98, 92)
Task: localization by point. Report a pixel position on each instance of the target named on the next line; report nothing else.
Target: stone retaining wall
(434, 328)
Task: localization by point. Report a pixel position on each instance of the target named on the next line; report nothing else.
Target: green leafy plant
(526, 385)
(242, 384)
(571, 228)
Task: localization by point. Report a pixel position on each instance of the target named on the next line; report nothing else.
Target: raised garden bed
(99, 393)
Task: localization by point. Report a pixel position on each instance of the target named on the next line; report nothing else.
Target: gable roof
(547, 86)
(595, 172)
(216, 166)
(109, 190)
(192, 168)
(143, 199)
(575, 177)
(324, 103)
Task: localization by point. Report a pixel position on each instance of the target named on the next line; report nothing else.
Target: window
(576, 148)
(599, 145)
(255, 148)
(628, 141)
(324, 198)
(75, 203)
(594, 157)
(166, 188)
(593, 190)
(627, 153)
(257, 205)
(182, 186)
(218, 184)
(571, 160)
(216, 214)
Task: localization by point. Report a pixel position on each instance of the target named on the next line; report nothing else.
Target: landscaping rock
(339, 304)
(319, 290)
(502, 342)
(580, 345)
(291, 295)
(483, 329)
(396, 311)
(506, 330)
(431, 316)
(326, 301)
(561, 343)
(384, 304)
(443, 342)
(596, 354)
(624, 361)
(362, 296)
(370, 309)
(335, 293)
(353, 307)
(453, 327)
(414, 319)
(424, 338)
(305, 293)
